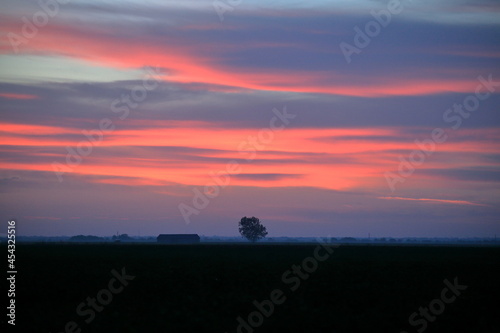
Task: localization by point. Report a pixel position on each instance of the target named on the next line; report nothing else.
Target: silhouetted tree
(83, 238)
(251, 229)
(122, 237)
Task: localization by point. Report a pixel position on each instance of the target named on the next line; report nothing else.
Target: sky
(321, 118)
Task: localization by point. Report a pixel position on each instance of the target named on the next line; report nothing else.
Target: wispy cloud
(454, 202)
(17, 96)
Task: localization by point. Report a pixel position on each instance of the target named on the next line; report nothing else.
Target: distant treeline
(91, 238)
(226, 239)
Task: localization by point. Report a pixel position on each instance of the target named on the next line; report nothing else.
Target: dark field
(204, 288)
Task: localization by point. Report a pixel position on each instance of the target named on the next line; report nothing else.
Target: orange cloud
(191, 64)
(31, 129)
(340, 159)
(17, 96)
(454, 202)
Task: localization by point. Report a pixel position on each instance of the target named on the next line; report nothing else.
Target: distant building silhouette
(178, 238)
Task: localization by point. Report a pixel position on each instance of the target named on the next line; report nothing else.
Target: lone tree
(251, 229)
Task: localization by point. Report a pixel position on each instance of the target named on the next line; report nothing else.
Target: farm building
(178, 238)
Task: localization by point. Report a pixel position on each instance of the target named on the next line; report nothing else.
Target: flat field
(206, 287)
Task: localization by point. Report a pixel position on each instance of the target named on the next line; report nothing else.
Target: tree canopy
(251, 228)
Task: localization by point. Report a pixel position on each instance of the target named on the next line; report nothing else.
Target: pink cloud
(454, 202)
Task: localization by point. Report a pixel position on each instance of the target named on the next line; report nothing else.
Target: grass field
(206, 287)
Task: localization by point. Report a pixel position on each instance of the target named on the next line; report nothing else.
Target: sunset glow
(126, 111)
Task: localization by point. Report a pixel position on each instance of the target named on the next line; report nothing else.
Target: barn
(178, 238)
